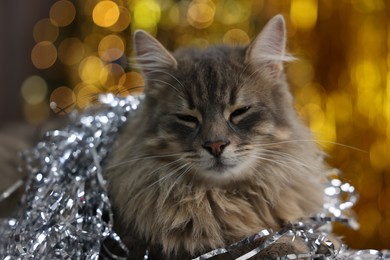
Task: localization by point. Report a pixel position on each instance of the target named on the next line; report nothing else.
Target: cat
(216, 152)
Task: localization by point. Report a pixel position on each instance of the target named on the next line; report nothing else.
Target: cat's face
(220, 109)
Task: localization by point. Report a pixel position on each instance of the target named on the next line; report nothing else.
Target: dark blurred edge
(17, 19)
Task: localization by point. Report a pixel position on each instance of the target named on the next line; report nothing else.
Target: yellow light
(92, 40)
(147, 14)
(62, 100)
(86, 94)
(367, 6)
(45, 30)
(43, 55)
(304, 13)
(340, 104)
(123, 21)
(310, 93)
(91, 70)
(115, 72)
(379, 154)
(366, 77)
(232, 12)
(63, 12)
(369, 219)
(111, 47)
(131, 82)
(300, 72)
(34, 90)
(201, 13)
(71, 51)
(236, 37)
(174, 14)
(105, 13)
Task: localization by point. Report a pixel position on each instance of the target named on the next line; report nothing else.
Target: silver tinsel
(66, 213)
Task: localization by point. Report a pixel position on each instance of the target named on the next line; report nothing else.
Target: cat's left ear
(151, 55)
(268, 51)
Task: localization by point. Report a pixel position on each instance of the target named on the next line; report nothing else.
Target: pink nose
(215, 148)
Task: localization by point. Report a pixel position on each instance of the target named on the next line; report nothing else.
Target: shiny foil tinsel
(66, 213)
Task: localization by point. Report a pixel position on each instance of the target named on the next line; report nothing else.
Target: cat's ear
(151, 55)
(268, 51)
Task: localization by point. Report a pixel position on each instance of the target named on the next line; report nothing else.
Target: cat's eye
(239, 111)
(187, 118)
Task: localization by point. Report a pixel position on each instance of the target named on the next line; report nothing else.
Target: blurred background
(55, 56)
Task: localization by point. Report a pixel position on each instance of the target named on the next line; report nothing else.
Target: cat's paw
(284, 246)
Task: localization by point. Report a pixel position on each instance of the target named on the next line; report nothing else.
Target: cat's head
(222, 111)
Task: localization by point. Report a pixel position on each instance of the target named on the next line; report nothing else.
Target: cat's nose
(216, 147)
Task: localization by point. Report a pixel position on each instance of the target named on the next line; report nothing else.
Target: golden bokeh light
(201, 13)
(236, 37)
(62, 100)
(63, 12)
(45, 30)
(34, 90)
(92, 71)
(368, 6)
(131, 82)
(111, 47)
(233, 12)
(115, 72)
(86, 94)
(71, 51)
(44, 55)
(123, 21)
(105, 13)
(300, 72)
(147, 14)
(304, 13)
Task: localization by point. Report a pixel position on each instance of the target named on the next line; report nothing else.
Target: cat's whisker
(288, 158)
(172, 76)
(275, 161)
(169, 174)
(166, 83)
(143, 157)
(186, 168)
(262, 144)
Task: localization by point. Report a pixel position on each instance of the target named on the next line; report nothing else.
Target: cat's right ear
(268, 51)
(151, 55)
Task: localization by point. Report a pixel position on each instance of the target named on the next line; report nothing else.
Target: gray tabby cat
(216, 153)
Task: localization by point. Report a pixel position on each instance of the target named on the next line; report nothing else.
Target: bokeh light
(91, 70)
(45, 30)
(86, 94)
(147, 14)
(131, 82)
(71, 51)
(236, 37)
(201, 13)
(34, 90)
(43, 55)
(63, 12)
(111, 47)
(304, 13)
(340, 80)
(106, 13)
(123, 21)
(62, 100)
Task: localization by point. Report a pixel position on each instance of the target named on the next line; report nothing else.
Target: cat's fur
(216, 152)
